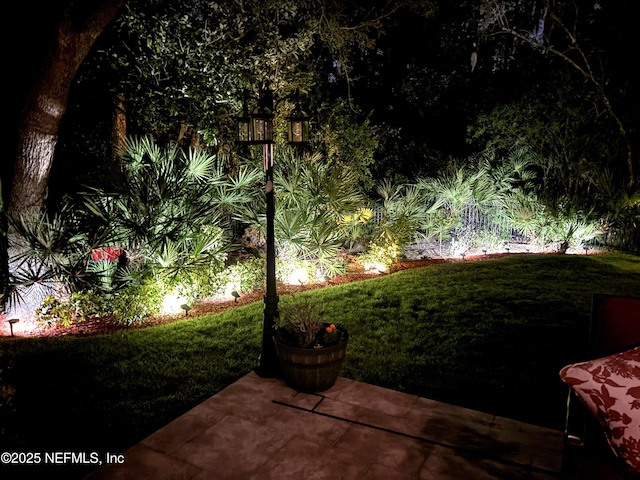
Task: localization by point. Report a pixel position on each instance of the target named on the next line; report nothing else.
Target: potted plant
(310, 350)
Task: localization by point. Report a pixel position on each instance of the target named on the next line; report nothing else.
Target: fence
(625, 239)
(489, 220)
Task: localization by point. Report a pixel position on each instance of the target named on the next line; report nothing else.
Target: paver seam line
(469, 452)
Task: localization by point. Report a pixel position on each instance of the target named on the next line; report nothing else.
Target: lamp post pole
(269, 366)
(257, 129)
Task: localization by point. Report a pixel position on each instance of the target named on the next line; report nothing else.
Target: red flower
(107, 254)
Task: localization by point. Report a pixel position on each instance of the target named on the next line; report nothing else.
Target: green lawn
(489, 335)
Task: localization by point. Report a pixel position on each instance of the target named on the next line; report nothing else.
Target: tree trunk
(76, 27)
(119, 132)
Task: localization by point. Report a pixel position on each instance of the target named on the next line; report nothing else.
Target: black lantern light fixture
(257, 129)
(298, 125)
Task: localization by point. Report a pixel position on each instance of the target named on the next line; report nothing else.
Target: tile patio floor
(261, 429)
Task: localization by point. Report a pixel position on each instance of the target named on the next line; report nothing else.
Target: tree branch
(582, 66)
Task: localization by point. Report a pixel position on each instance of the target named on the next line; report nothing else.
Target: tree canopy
(414, 76)
(409, 81)
(186, 66)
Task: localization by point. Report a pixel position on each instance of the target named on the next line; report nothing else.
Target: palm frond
(199, 165)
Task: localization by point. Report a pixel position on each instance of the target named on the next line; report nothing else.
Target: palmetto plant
(567, 225)
(406, 212)
(170, 208)
(526, 214)
(164, 211)
(503, 175)
(447, 195)
(49, 255)
(312, 201)
(451, 189)
(620, 209)
(490, 184)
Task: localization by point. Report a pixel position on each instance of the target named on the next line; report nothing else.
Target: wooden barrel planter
(311, 369)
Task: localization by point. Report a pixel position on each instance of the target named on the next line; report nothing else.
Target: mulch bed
(106, 325)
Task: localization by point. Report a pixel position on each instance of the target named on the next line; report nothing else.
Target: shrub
(243, 276)
(462, 241)
(572, 230)
(104, 273)
(295, 271)
(380, 256)
(76, 309)
(405, 214)
(489, 240)
(137, 301)
(359, 226)
(171, 208)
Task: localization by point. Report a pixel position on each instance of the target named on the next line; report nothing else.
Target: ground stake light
(12, 321)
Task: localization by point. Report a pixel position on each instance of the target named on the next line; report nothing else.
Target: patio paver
(261, 429)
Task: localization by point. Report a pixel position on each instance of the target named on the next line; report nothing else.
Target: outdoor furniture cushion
(610, 389)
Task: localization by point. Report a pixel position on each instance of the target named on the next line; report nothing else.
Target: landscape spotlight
(12, 321)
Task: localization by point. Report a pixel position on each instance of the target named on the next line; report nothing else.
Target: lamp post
(257, 129)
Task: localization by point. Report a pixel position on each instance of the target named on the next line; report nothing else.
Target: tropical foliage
(160, 223)
(160, 226)
(315, 201)
(503, 194)
(169, 211)
(393, 88)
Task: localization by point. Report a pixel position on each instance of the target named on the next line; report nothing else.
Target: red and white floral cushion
(610, 388)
